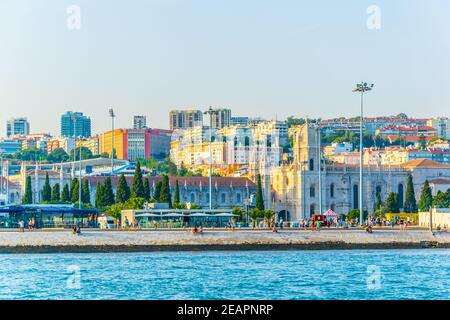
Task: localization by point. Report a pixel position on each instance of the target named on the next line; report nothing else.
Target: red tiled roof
(424, 163)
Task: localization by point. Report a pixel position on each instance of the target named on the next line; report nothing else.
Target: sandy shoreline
(145, 241)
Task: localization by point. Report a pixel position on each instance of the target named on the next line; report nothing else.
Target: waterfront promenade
(174, 240)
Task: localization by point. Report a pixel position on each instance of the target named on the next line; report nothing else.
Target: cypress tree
(146, 189)
(46, 190)
(165, 196)
(65, 195)
(28, 195)
(137, 190)
(85, 192)
(123, 190)
(176, 194)
(392, 203)
(56, 192)
(74, 191)
(426, 197)
(98, 196)
(259, 194)
(157, 192)
(107, 192)
(410, 205)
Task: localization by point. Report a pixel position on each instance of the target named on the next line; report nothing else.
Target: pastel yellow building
(120, 143)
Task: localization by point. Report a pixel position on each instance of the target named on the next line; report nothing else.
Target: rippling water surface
(353, 274)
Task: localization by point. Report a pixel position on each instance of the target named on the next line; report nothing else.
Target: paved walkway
(48, 241)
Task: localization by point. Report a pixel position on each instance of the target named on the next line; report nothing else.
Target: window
(311, 164)
(238, 198)
(312, 209)
(355, 196)
(333, 207)
(223, 198)
(312, 191)
(400, 195)
(192, 197)
(332, 190)
(378, 191)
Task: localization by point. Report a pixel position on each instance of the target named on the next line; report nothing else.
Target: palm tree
(268, 217)
(254, 214)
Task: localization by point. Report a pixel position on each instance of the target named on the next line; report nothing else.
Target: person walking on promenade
(21, 226)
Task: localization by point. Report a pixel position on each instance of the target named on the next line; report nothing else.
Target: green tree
(268, 217)
(58, 155)
(259, 194)
(107, 192)
(442, 199)
(422, 142)
(86, 153)
(176, 194)
(28, 195)
(56, 193)
(255, 214)
(410, 204)
(99, 201)
(74, 190)
(378, 204)
(157, 192)
(137, 189)
(165, 196)
(46, 190)
(392, 203)
(123, 192)
(85, 192)
(65, 195)
(168, 167)
(426, 197)
(146, 189)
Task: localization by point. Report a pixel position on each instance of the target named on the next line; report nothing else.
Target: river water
(334, 274)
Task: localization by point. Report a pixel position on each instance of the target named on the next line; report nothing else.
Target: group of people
(76, 230)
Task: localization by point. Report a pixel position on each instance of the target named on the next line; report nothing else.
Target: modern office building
(139, 122)
(185, 119)
(17, 126)
(221, 118)
(75, 124)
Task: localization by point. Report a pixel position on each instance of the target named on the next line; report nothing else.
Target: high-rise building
(139, 122)
(185, 119)
(221, 118)
(17, 126)
(75, 121)
(442, 126)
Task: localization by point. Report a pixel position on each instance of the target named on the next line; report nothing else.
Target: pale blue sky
(259, 57)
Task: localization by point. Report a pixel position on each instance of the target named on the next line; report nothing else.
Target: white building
(442, 125)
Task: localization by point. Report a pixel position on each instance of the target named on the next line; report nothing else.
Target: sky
(260, 58)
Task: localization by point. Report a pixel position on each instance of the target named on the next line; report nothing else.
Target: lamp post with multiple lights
(210, 111)
(361, 88)
(112, 115)
(74, 119)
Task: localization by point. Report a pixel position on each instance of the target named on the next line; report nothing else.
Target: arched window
(247, 141)
(378, 191)
(207, 197)
(355, 196)
(269, 141)
(238, 197)
(312, 209)
(192, 197)
(333, 207)
(400, 195)
(311, 164)
(223, 198)
(312, 191)
(235, 141)
(332, 190)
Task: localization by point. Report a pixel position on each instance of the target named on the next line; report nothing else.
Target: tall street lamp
(112, 115)
(210, 111)
(74, 119)
(361, 88)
